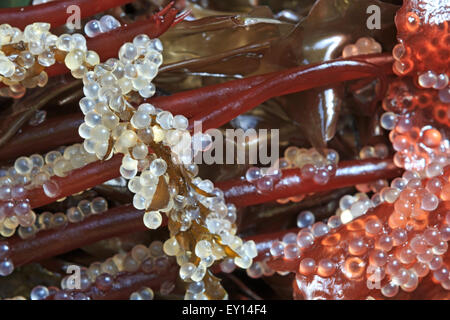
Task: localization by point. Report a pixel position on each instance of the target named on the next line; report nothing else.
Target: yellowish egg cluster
(25, 55)
(364, 45)
(163, 181)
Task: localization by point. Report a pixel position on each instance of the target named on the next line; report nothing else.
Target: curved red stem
(54, 132)
(286, 82)
(348, 173)
(49, 243)
(125, 283)
(190, 103)
(239, 192)
(78, 180)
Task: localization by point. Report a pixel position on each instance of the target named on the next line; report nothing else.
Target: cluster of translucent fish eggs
(429, 79)
(313, 166)
(426, 79)
(351, 207)
(112, 125)
(143, 294)
(316, 166)
(364, 45)
(30, 172)
(208, 251)
(24, 55)
(104, 104)
(259, 269)
(263, 178)
(219, 221)
(102, 275)
(422, 49)
(152, 126)
(420, 248)
(428, 154)
(96, 27)
(440, 82)
(48, 220)
(421, 142)
(292, 244)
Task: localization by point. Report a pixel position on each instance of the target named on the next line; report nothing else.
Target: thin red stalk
(78, 180)
(124, 284)
(112, 223)
(349, 173)
(166, 9)
(58, 131)
(239, 192)
(55, 13)
(127, 283)
(181, 17)
(51, 134)
(189, 103)
(49, 243)
(285, 82)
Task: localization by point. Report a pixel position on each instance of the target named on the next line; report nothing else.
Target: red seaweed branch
(49, 243)
(291, 183)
